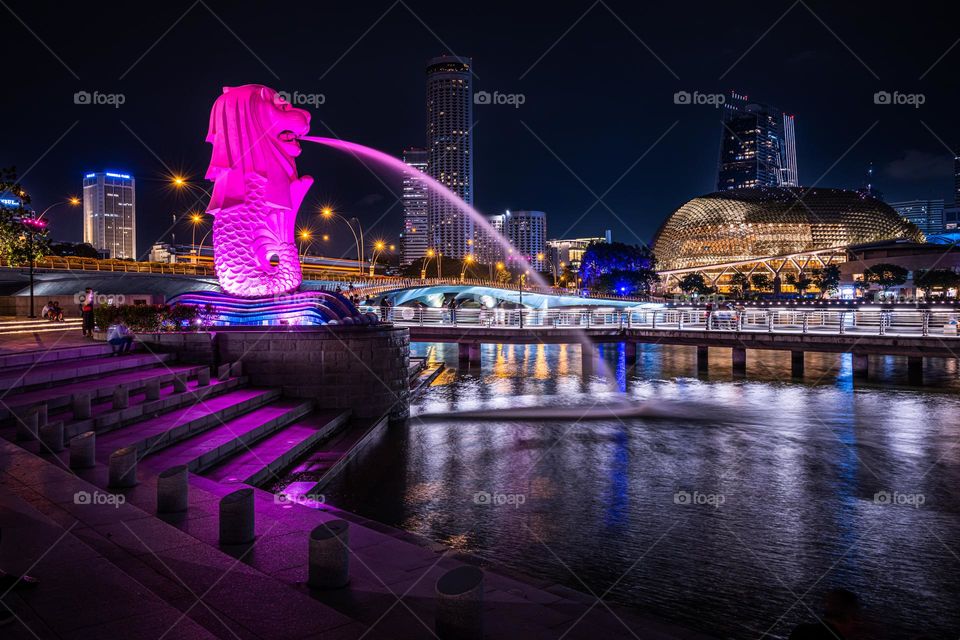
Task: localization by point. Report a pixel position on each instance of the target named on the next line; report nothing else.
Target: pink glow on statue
(256, 190)
(436, 187)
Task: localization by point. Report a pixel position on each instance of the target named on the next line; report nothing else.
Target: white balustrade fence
(814, 321)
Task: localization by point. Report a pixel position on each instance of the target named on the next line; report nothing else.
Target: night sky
(598, 81)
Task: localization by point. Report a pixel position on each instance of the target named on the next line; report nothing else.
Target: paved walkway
(121, 572)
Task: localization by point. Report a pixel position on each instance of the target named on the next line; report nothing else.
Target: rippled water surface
(729, 505)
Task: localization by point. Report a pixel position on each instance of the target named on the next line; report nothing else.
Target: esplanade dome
(747, 224)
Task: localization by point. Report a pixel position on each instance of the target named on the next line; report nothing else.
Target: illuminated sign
(125, 176)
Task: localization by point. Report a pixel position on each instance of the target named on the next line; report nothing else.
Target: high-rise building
(450, 153)
(757, 146)
(926, 214)
(414, 241)
(568, 252)
(527, 233)
(110, 213)
(790, 176)
(956, 181)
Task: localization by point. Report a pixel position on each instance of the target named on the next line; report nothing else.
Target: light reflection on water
(796, 467)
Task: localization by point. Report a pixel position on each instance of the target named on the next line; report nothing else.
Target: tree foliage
(827, 279)
(931, 279)
(14, 236)
(885, 275)
(695, 284)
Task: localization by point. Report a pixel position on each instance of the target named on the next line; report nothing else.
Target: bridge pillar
(796, 364)
(703, 359)
(915, 370)
(739, 360)
(587, 355)
(468, 353)
(630, 349)
(860, 365)
(473, 353)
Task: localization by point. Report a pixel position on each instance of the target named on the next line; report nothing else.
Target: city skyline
(536, 153)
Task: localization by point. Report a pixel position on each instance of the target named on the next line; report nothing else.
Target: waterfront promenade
(110, 565)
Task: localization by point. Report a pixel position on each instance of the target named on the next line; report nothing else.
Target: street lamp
(327, 213)
(33, 227)
(195, 219)
(73, 201)
(305, 234)
(520, 282)
(378, 247)
(426, 261)
(467, 261)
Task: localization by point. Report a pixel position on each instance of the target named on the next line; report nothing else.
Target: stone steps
(27, 358)
(265, 459)
(99, 388)
(106, 419)
(150, 436)
(116, 571)
(234, 436)
(45, 372)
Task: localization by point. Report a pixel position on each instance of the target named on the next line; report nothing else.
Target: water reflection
(777, 489)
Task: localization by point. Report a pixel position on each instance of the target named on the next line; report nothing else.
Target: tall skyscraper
(414, 240)
(527, 233)
(790, 175)
(926, 214)
(110, 213)
(757, 146)
(956, 181)
(450, 152)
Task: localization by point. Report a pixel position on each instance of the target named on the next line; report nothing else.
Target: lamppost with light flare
(33, 227)
(196, 219)
(378, 248)
(467, 261)
(305, 234)
(520, 282)
(327, 213)
(426, 262)
(72, 201)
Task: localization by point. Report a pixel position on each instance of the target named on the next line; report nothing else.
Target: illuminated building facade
(450, 153)
(414, 241)
(758, 146)
(527, 233)
(926, 214)
(110, 214)
(773, 230)
(568, 252)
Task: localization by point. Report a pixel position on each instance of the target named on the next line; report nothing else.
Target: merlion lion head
(254, 130)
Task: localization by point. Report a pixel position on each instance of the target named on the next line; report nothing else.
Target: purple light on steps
(436, 187)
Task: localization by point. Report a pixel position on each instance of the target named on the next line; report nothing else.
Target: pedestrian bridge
(914, 333)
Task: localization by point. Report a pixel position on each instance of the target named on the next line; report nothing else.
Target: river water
(729, 505)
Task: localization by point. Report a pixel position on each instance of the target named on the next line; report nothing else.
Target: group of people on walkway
(52, 311)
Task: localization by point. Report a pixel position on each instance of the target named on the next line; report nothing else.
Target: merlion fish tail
(257, 255)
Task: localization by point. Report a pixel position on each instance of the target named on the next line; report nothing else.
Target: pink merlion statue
(256, 191)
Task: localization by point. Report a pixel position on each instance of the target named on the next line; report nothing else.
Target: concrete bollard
(236, 369)
(151, 389)
(83, 451)
(237, 517)
(121, 397)
(460, 604)
(179, 383)
(203, 377)
(27, 425)
(173, 489)
(81, 406)
(329, 555)
(51, 435)
(223, 372)
(42, 411)
(123, 467)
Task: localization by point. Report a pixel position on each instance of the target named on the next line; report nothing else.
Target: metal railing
(807, 321)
